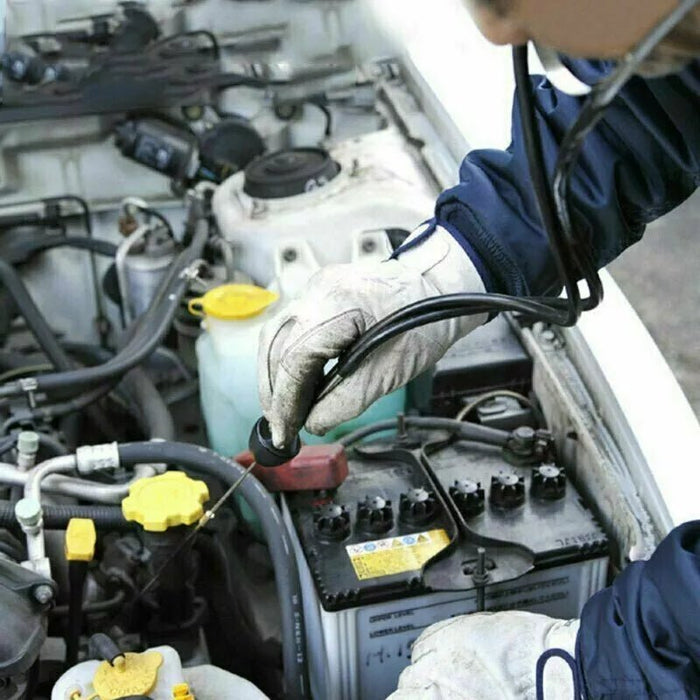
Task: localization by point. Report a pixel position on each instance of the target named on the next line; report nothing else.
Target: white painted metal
(642, 405)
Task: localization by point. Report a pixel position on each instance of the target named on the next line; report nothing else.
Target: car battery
(367, 550)
(488, 359)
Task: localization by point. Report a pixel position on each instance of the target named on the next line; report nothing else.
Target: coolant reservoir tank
(233, 316)
(157, 674)
(227, 362)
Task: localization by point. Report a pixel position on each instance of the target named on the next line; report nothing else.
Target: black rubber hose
(50, 443)
(105, 517)
(98, 606)
(57, 517)
(35, 321)
(150, 330)
(465, 431)
(58, 410)
(151, 411)
(157, 215)
(154, 416)
(199, 459)
(7, 443)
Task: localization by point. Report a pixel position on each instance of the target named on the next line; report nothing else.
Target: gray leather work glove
(340, 303)
(489, 656)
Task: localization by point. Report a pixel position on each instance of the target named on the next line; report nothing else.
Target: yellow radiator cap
(233, 302)
(167, 500)
(136, 676)
(80, 539)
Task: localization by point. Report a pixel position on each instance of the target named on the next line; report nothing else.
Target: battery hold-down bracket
(445, 515)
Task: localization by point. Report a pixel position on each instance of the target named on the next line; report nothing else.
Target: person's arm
(640, 162)
(637, 165)
(641, 636)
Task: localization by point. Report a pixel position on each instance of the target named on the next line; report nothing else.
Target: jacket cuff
(432, 224)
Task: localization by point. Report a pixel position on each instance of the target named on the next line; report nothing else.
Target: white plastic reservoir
(378, 186)
(234, 315)
(157, 673)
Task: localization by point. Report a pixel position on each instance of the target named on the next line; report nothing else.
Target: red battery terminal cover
(316, 467)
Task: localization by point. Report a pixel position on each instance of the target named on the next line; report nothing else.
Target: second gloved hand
(340, 303)
(490, 656)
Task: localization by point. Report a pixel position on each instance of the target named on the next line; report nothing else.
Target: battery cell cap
(167, 500)
(468, 496)
(417, 506)
(374, 514)
(548, 482)
(507, 491)
(80, 539)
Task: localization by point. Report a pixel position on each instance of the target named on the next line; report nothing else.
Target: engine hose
(110, 605)
(199, 459)
(50, 443)
(36, 323)
(153, 414)
(56, 517)
(41, 330)
(150, 330)
(151, 411)
(58, 410)
(465, 431)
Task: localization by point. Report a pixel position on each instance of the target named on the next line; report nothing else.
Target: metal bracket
(29, 386)
(191, 272)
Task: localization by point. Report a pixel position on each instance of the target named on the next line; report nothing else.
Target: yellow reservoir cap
(167, 500)
(81, 538)
(138, 676)
(233, 302)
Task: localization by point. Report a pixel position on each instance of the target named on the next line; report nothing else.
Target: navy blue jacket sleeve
(640, 638)
(639, 163)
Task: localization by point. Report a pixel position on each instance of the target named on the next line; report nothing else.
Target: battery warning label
(394, 555)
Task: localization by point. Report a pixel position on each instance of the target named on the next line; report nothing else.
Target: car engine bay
(171, 174)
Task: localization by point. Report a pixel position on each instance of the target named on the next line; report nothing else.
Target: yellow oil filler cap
(137, 675)
(80, 539)
(167, 500)
(232, 302)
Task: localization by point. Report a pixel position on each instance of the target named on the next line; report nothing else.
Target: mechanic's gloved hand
(340, 303)
(489, 656)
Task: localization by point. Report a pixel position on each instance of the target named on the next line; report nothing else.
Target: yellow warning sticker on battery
(394, 555)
